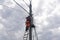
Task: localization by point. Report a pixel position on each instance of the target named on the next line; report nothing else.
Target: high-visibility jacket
(28, 19)
(27, 24)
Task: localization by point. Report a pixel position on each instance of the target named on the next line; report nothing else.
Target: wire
(20, 6)
(26, 3)
(33, 37)
(36, 34)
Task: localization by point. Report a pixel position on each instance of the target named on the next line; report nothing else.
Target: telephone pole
(30, 30)
(31, 19)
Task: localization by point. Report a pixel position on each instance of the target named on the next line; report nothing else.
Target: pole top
(30, 0)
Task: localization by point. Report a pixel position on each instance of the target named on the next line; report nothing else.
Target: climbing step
(25, 36)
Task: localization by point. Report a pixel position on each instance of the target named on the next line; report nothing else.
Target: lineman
(28, 23)
(28, 20)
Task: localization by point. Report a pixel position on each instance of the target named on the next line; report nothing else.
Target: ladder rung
(25, 35)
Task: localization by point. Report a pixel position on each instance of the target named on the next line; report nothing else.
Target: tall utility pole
(30, 30)
(31, 18)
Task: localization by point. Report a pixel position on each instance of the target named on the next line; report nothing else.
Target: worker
(28, 19)
(28, 23)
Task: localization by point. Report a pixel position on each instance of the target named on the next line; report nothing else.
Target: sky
(46, 14)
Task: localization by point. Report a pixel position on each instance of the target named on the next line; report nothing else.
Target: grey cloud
(14, 22)
(54, 22)
(2, 1)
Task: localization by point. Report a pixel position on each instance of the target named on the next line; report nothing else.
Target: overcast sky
(46, 15)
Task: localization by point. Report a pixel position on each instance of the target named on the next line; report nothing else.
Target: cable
(33, 37)
(36, 34)
(20, 6)
(26, 3)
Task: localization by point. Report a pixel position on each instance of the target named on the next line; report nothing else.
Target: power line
(20, 6)
(26, 3)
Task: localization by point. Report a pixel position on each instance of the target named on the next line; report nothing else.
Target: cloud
(2, 1)
(1, 7)
(49, 12)
(1, 26)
